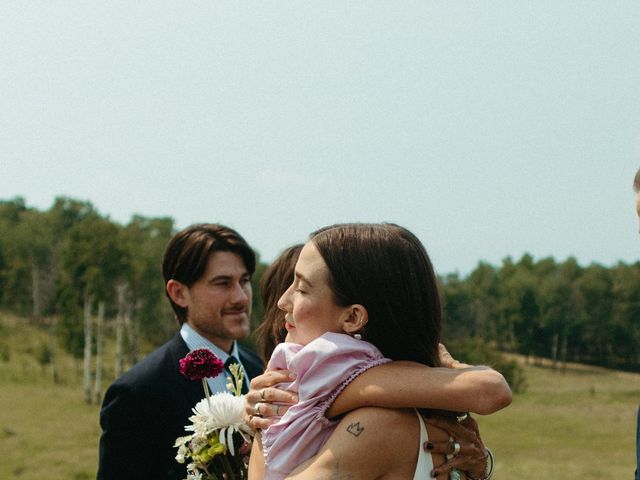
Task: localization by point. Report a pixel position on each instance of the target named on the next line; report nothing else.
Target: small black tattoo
(355, 429)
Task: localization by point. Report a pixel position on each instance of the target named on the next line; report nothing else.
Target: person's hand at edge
(472, 455)
(447, 360)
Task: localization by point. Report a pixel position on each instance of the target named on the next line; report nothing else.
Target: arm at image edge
(402, 384)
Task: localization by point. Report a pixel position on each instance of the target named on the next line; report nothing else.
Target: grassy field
(576, 425)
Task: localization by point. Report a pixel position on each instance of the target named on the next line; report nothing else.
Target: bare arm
(407, 384)
(256, 460)
(454, 386)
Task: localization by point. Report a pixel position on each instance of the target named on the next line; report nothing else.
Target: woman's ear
(356, 317)
(177, 292)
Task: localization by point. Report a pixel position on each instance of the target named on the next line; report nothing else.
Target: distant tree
(93, 262)
(625, 312)
(484, 289)
(15, 268)
(458, 320)
(144, 308)
(595, 344)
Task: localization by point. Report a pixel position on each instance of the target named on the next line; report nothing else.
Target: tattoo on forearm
(355, 429)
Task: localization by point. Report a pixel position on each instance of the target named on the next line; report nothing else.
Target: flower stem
(227, 468)
(206, 391)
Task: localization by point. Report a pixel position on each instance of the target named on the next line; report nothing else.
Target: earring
(357, 336)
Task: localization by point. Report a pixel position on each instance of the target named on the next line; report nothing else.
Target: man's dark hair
(636, 182)
(385, 268)
(187, 254)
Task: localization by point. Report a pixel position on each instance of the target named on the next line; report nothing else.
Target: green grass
(578, 425)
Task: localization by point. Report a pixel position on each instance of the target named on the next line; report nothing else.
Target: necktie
(230, 361)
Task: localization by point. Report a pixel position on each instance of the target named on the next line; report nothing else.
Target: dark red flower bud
(201, 363)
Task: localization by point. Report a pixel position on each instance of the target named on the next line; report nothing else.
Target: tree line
(546, 309)
(84, 278)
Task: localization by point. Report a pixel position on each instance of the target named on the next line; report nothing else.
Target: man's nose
(240, 293)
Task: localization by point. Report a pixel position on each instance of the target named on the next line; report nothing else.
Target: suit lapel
(192, 389)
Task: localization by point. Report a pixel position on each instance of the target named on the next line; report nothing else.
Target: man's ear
(177, 292)
(356, 317)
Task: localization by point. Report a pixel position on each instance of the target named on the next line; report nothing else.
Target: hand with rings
(465, 450)
(456, 448)
(264, 402)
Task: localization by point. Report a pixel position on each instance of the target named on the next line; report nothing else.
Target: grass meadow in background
(574, 425)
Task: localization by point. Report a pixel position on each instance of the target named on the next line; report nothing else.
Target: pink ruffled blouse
(323, 368)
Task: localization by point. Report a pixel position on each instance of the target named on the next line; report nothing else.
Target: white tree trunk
(132, 332)
(86, 377)
(97, 389)
(121, 290)
(119, 366)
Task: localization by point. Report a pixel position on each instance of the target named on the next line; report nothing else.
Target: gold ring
(277, 410)
(262, 395)
(256, 410)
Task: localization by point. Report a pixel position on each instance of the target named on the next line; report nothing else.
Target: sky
(488, 128)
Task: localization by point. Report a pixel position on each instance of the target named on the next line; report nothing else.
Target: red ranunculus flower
(200, 364)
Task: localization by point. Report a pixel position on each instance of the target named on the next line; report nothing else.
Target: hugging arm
(454, 386)
(407, 384)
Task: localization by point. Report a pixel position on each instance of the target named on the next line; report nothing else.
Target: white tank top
(425, 462)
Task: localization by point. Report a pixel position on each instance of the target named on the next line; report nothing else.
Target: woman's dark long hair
(274, 282)
(385, 268)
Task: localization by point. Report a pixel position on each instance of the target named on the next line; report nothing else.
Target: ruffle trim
(322, 408)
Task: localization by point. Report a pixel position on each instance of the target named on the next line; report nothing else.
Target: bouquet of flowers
(220, 443)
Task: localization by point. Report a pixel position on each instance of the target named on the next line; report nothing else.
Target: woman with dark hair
(275, 280)
(375, 282)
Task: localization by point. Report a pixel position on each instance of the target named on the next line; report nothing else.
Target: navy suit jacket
(146, 409)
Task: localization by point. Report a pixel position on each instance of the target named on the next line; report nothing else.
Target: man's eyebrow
(227, 277)
(299, 276)
(221, 277)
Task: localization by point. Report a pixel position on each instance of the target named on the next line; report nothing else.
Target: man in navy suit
(207, 269)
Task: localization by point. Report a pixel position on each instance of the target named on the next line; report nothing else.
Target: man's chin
(240, 331)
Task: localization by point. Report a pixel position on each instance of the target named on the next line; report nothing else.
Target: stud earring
(357, 336)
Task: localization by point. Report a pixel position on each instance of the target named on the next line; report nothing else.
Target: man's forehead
(225, 261)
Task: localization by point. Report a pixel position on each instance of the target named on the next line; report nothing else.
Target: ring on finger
(262, 395)
(463, 417)
(277, 410)
(256, 409)
(456, 448)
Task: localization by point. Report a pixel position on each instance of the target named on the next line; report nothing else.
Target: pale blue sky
(489, 128)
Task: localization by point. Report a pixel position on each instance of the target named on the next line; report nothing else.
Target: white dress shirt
(194, 341)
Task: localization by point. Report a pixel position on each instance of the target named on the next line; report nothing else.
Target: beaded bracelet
(488, 471)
